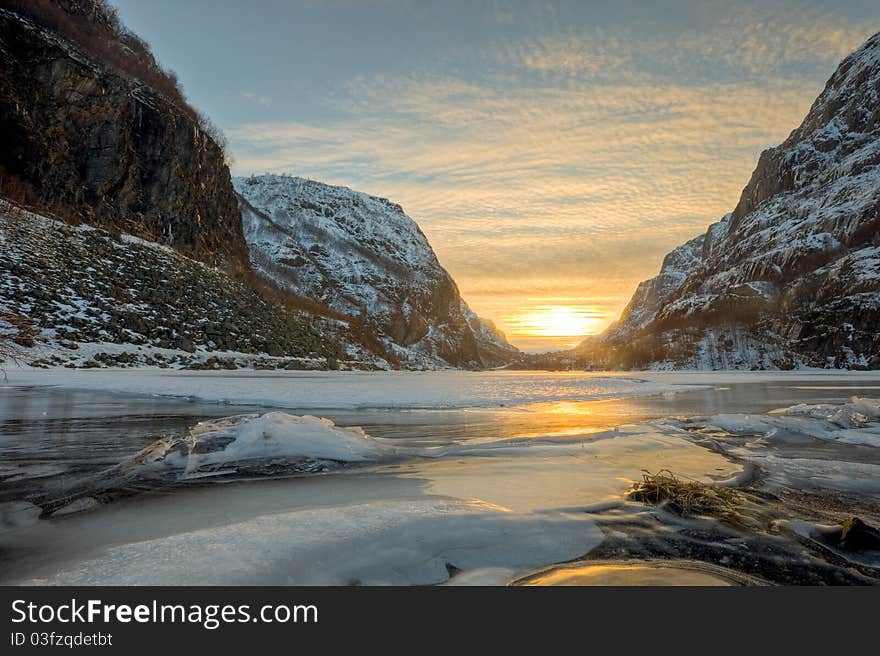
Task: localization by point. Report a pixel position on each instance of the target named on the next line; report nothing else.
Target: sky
(552, 152)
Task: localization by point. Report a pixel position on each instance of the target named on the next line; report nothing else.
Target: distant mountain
(792, 276)
(364, 257)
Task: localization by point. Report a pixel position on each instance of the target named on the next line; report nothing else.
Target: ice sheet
(398, 389)
(811, 445)
(487, 510)
(393, 542)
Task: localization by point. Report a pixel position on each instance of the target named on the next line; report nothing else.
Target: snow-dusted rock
(792, 275)
(363, 257)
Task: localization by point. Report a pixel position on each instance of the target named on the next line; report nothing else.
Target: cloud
(576, 162)
(747, 44)
(538, 163)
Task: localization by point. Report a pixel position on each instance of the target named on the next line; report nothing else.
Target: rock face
(93, 131)
(365, 258)
(792, 276)
(87, 139)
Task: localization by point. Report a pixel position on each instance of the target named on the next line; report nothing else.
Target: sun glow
(556, 321)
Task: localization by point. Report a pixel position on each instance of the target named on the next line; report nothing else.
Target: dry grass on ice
(687, 497)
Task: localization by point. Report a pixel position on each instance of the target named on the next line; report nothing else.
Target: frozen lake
(492, 474)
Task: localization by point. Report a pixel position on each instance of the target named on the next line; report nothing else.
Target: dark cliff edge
(94, 133)
(92, 130)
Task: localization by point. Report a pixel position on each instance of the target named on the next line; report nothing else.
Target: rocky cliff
(364, 257)
(92, 130)
(792, 276)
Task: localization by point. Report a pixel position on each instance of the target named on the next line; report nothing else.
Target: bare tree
(10, 352)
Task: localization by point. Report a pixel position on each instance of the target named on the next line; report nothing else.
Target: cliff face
(363, 257)
(93, 131)
(91, 142)
(792, 275)
(651, 295)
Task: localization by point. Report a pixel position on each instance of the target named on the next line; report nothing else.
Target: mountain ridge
(363, 256)
(791, 277)
(95, 133)
(90, 141)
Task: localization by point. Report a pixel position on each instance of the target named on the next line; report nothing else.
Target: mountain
(120, 229)
(124, 239)
(82, 297)
(364, 257)
(791, 277)
(93, 130)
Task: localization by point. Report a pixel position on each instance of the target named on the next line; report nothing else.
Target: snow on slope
(794, 270)
(363, 256)
(335, 244)
(79, 296)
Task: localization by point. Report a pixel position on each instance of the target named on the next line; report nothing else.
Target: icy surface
(392, 543)
(856, 422)
(470, 511)
(491, 510)
(324, 390)
(627, 574)
(441, 389)
(807, 446)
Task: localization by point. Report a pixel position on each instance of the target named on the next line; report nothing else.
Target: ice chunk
(857, 413)
(232, 441)
(742, 424)
(854, 422)
(278, 434)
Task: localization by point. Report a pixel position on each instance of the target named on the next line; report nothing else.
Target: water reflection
(629, 574)
(47, 434)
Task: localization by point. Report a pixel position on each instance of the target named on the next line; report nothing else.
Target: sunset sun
(556, 321)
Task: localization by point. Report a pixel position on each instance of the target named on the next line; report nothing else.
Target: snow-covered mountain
(365, 258)
(792, 275)
(100, 135)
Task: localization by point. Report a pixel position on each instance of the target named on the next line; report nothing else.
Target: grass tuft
(687, 497)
